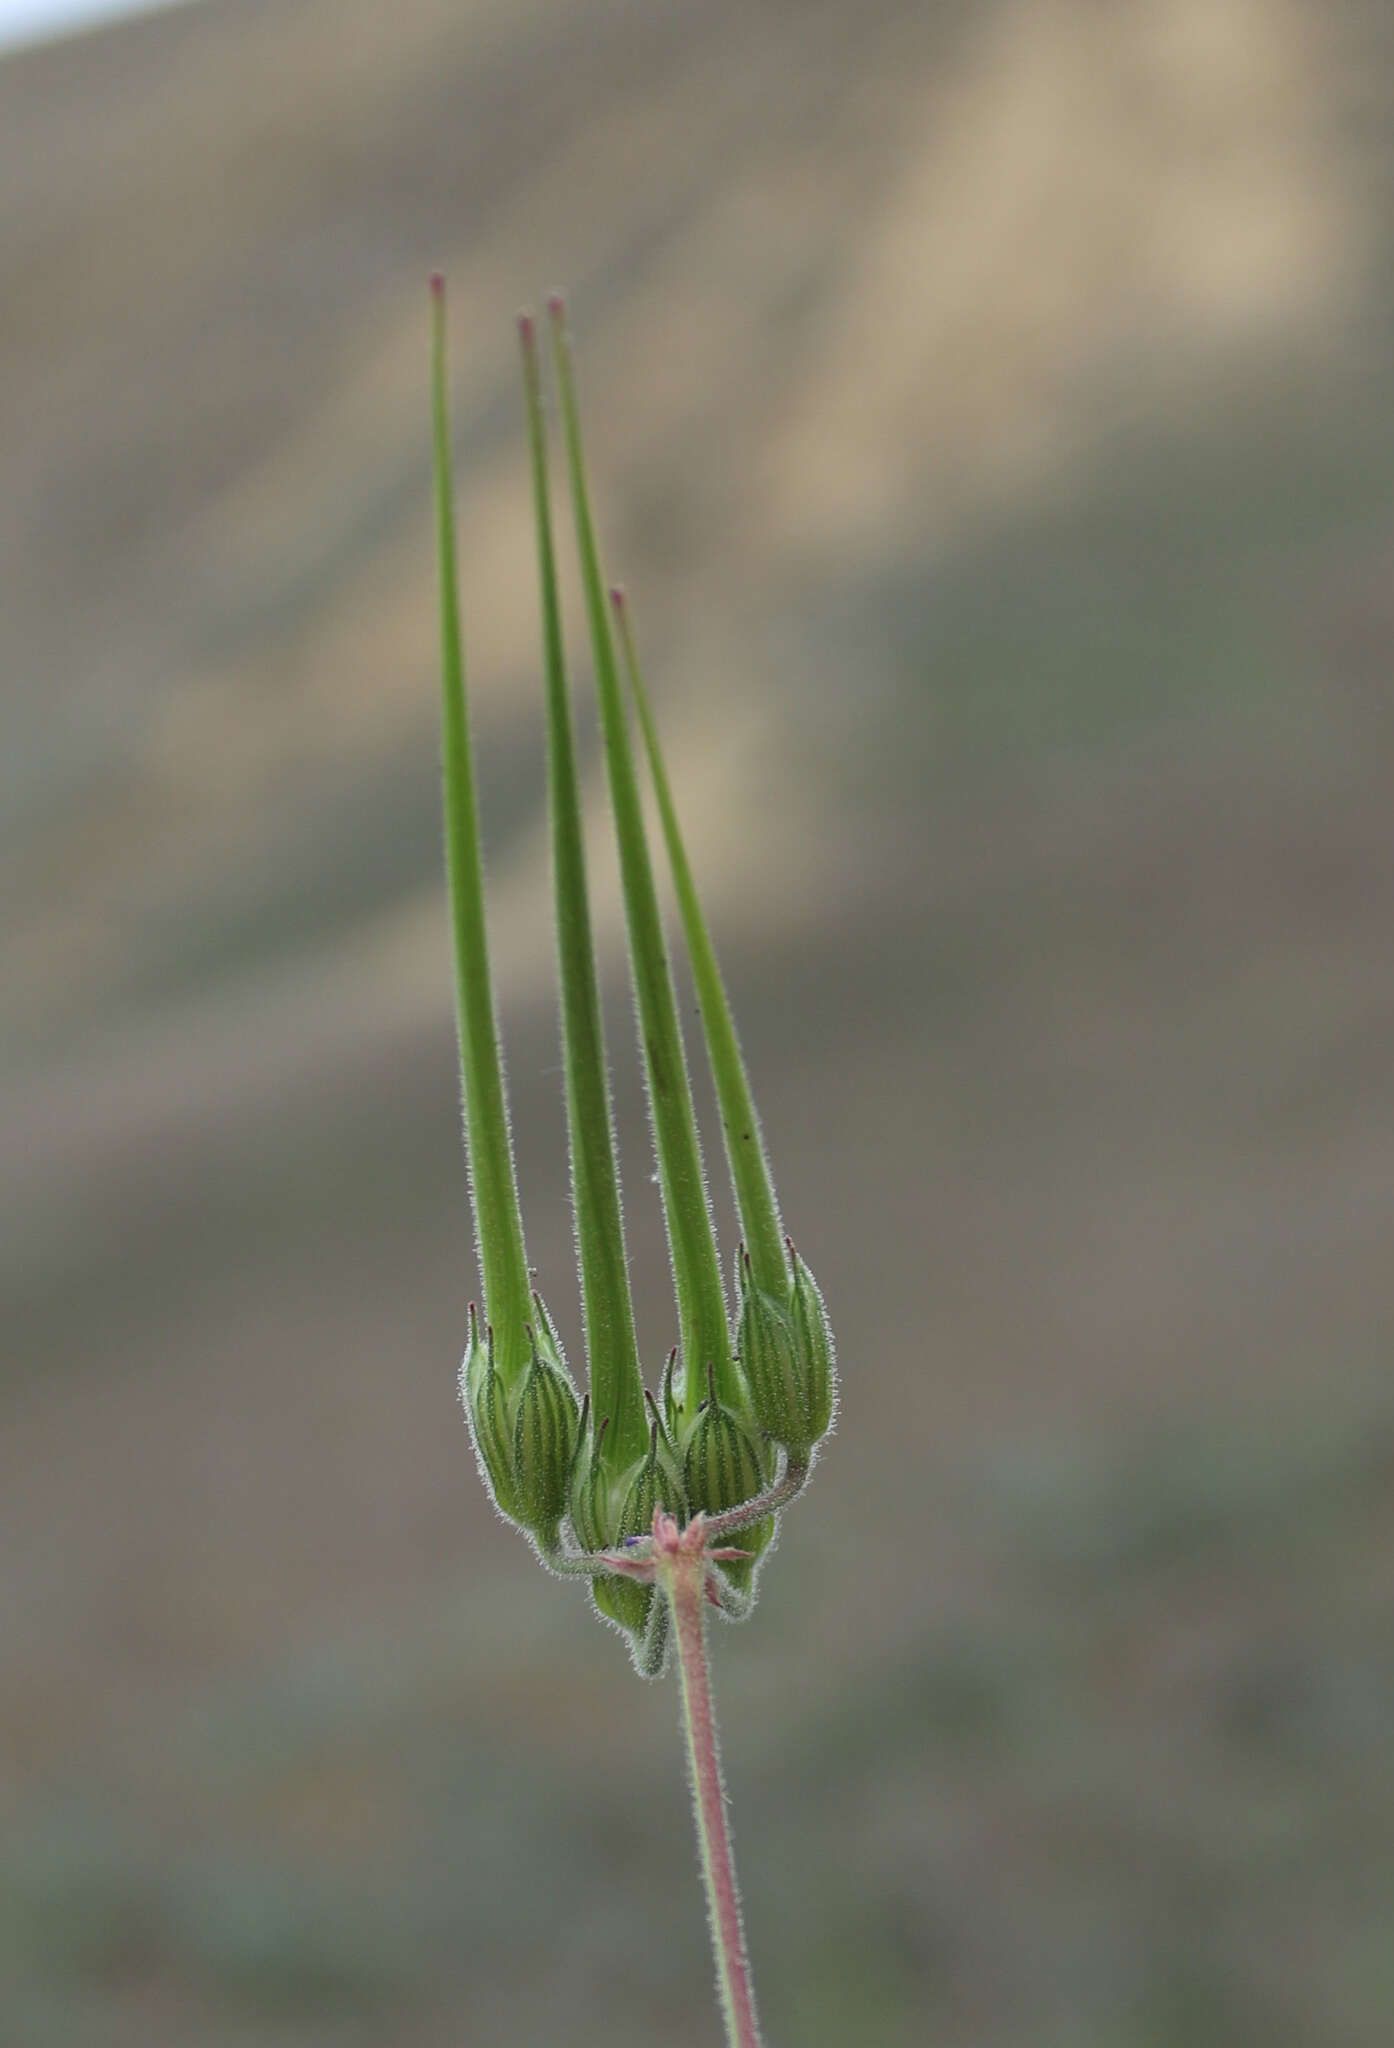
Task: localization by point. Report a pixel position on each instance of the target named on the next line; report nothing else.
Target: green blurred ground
(993, 418)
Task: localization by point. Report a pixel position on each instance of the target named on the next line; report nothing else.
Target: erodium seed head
(745, 1402)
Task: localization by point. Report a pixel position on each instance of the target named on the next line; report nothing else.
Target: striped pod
(623, 1600)
(486, 1405)
(587, 1489)
(722, 1468)
(494, 1443)
(813, 1339)
(765, 1344)
(544, 1439)
(656, 1484)
(786, 1357)
(652, 1483)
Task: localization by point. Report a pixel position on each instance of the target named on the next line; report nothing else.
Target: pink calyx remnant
(671, 1552)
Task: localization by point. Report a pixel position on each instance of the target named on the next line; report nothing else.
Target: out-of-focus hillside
(992, 415)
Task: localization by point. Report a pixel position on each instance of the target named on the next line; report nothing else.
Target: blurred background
(992, 414)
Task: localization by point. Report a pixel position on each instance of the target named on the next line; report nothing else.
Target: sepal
(657, 1483)
(651, 1483)
(814, 1338)
(723, 1466)
(785, 1354)
(587, 1489)
(544, 1443)
(486, 1409)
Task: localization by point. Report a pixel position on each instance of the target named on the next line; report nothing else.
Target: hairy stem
(601, 1564)
(731, 1521)
(684, 1579)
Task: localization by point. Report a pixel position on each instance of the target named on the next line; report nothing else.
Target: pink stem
(686, 1580)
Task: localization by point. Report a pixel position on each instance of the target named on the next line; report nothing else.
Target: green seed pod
(544, 1443)
(814, 1341)
(594, 1502)
(723, 1468)
(486, 1406)
(587, 1491)
(624, 1602)
(786, 1357)
(769, 1363)
(606, 1511)
(656, 1483)
(637, 1492)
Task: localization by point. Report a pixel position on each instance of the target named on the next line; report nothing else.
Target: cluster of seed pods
(749, 1388)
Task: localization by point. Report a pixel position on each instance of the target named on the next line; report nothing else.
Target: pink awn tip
(437, 284)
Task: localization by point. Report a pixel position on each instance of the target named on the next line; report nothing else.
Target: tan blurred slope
(847, 280)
